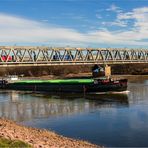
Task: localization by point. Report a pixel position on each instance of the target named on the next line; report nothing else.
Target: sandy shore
(38, 138)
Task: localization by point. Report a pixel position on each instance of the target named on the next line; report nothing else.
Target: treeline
(135, 69)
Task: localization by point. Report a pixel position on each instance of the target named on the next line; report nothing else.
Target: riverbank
(131, 78)
(38, 138)
(62, 70)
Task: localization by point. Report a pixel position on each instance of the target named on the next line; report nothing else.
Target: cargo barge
(68, 85)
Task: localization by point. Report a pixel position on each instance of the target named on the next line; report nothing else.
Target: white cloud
(139, 16)
(98, 16)
(114, 8)
(125, 16)
(45, 20)
(116, 23)
(15, 29)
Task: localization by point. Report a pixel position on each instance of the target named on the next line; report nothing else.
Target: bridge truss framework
(37, 56)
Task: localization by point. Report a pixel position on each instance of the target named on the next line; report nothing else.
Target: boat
(87, 85)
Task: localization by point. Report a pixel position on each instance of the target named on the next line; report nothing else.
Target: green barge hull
(69, 85)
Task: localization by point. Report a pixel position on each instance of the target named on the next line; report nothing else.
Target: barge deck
(68, 85)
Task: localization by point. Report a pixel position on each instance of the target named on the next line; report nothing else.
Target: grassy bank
(7, 143)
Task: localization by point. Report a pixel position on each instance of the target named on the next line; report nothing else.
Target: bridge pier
(107, 71)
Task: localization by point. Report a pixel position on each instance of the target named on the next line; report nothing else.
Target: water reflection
(23, 106)
(111, 120)
(138, 93)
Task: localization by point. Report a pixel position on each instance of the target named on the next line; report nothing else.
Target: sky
(74, 23)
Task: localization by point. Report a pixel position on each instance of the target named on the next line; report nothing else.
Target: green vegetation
(60, 81)
(13, 143)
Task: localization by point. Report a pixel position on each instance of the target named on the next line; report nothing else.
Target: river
(110, 120)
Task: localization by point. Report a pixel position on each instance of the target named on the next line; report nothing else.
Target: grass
(13, 143)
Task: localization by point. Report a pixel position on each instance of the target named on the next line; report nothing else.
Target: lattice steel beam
(23, 56)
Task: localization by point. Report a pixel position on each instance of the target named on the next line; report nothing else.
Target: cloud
(136, 33)
(139, 16)
(116, 23)
(45, 20)
(17, 30)
(98, 16)
(114, 8)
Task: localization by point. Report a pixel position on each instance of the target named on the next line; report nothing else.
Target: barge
(68, 85)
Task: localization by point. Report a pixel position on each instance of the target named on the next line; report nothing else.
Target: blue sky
(84, 23)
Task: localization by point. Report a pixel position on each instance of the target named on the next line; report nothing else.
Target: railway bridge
(38, 56)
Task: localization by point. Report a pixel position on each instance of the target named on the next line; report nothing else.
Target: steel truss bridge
(38, 56)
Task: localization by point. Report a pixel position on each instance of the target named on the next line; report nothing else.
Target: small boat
(69, 85)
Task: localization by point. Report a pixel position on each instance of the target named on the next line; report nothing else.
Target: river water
(110, 120)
